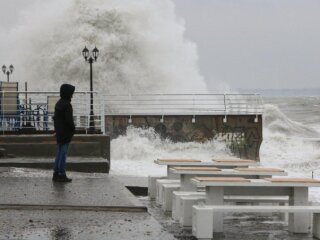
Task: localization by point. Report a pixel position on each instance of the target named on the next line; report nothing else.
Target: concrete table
(187, 173)
(225, 163)
(296, 189)
(220, 163)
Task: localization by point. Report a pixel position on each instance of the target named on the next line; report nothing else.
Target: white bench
(294, 188)
(176, 198)
(203, 216)
(186, 204)
(188, 172)
(167, 192)
(159, 183)
(152, 180)
(187, 201)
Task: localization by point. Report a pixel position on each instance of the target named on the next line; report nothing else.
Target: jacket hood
(66, 91)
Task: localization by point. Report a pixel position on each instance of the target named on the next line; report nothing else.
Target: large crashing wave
(287, 143)
(146, 144)
(142, 47)
(277, 122)
(134, 152)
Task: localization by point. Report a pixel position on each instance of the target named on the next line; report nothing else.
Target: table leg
(168, 173)
(215, 196)
(171, 175)
(186, 185)
(299, 222)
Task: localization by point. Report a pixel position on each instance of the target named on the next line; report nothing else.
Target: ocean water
(291, 140)
(291, 132)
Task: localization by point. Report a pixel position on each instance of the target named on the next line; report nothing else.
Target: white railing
(184, 104)
(21, 110)
(34, 110)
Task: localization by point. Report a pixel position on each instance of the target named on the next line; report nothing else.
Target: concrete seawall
(242, 133)
(44, 146)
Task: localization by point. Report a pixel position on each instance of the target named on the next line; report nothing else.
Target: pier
(235, 119)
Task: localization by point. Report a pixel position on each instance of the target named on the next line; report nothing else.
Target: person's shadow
(60, 233)
(59, 191)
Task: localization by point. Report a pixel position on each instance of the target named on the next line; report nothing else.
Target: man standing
(64, 130)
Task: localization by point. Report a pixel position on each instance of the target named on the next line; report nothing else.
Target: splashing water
(287, 143)
(278, 123)
(142, 47)
(135, 152)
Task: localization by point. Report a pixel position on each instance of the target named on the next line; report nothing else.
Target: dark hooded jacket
(63, 115)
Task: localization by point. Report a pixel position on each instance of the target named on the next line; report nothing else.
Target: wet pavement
(236, 226)
(22, 186)
(78, 225)
(106, 191)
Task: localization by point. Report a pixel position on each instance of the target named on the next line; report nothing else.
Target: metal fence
(184, 104)
(21, 110)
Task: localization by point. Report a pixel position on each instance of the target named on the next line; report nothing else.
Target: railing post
(225, 108)
(256, 118)
(102, 106)
(161, 100)
(193, 120)
(2, 112)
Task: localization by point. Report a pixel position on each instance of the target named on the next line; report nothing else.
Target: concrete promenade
(98, 206)
(95, 206)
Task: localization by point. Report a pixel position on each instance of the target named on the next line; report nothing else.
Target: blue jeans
(61, 157)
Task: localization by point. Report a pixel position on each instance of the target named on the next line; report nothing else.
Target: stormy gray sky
(244, 43)
(256, 43)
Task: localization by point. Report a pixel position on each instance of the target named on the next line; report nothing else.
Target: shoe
(61, 178)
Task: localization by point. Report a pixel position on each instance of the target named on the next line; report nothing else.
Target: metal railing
(184, 104)
(21, 110)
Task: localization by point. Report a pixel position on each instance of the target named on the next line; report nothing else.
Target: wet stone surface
(35, 187)
(236, 226)
(75, 225)
(106, 191)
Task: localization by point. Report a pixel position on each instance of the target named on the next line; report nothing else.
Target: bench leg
(316, 225)
(215, 196)
(299, 222)
(152, 180)
(186, 210)
(167, 197)
(202, 223)
(158, 193)
(176, 202)
(283, 216)
(176, 210)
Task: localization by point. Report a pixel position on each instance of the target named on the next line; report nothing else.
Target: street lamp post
(10, 70)
(90, 58)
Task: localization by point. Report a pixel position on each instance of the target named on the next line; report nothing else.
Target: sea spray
(289, 144)
(277, 122)
(134, 152)
(142, 47)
